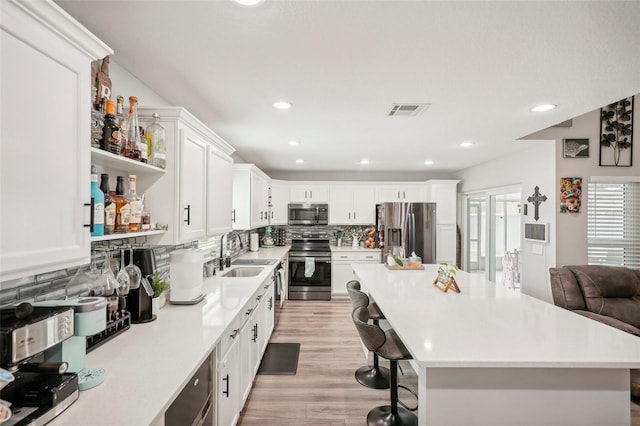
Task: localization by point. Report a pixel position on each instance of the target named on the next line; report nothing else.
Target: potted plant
(159, 286)
(446, 272)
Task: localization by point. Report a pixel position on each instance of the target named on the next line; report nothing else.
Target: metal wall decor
(616, 133)
(536, 199)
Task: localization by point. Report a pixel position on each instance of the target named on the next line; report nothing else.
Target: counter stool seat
(375, 376)
(388, 345)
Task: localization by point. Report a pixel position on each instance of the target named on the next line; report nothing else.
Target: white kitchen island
(493, 356)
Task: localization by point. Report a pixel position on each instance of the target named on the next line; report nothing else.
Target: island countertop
(148, 365)
(487, 325)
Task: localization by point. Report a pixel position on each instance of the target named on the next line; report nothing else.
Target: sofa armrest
(611, 322)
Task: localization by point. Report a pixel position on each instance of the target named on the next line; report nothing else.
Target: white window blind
(613, 222)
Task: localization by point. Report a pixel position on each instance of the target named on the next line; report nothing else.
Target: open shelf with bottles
(119, 236)
(122, 164)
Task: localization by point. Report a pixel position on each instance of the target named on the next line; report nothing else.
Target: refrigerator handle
(412, 234)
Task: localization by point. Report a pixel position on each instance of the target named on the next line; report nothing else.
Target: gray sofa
(609, 294)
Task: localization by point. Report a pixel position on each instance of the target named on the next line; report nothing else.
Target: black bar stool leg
(392, 415)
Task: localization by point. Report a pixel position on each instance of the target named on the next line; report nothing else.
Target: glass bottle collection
(120, 133)
(117, 212)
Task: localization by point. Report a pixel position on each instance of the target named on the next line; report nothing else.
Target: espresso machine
(40, 390)
(89, 318)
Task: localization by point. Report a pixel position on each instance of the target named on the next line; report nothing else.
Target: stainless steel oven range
(310, 267)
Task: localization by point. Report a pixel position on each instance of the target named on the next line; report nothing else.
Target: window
(613, 221)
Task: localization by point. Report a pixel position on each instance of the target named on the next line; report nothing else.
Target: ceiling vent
(407, 110)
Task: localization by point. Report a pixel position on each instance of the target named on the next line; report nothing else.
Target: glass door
(477, 234)
(506, 229)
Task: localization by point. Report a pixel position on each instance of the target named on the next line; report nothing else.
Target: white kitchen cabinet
(44, 155)
(279, 204)
(308, 194)
(229, 397)
(250, 197)
(219, 192)
(444, 194)
(179, 198)
(354, 205)
(400, 193)
(341, 271)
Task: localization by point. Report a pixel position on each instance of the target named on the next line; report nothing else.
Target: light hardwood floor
(324, 390)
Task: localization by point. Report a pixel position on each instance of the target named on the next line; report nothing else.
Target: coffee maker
(40, 390)
(139, 299)
(89, 318)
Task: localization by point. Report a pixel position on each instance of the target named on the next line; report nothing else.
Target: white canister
(253, 241)
(186, 275)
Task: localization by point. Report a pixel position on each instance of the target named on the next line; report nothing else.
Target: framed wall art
(616, 133)
(575, 148)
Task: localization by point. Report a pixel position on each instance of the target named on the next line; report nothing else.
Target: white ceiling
(342, 64)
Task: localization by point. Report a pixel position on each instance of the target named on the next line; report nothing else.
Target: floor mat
(280, 358)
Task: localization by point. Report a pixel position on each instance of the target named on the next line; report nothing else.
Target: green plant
(356, 232)
(158, 285)
(445, 272)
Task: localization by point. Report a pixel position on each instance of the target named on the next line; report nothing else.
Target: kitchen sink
(254, 262)
(242, 272)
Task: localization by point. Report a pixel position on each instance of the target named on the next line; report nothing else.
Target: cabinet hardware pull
(235, 333)
(188, 209)
(398, 194)
(249, 311)
(258, 297)
(354, 215)
(195, 382)
(226, 392)
(233, 215)
(349, 215)
(404, 195)
(305, 195)
(311, 194)
(260, 215)
(271, 215)
(90, 205)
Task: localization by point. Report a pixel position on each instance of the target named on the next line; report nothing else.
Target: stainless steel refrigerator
(409, 225)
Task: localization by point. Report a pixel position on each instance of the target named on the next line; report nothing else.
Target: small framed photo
(575, 148)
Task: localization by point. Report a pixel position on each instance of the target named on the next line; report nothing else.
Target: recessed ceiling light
(249, 2)
(428, 162)
(282, 105)
(544, 107)
(293, 143)
(364, 161)
(466, 144)
(299, 161)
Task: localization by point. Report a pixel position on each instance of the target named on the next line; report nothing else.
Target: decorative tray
(404, 268)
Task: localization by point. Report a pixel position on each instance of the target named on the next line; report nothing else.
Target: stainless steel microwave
(308, 214)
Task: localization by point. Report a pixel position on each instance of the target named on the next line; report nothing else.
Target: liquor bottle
(156, 143)
(97, 120)
(109, 206)
(123, 210)
(142, 146)
(97, 201)
(111, 131)
(135, 201)
(131, 149)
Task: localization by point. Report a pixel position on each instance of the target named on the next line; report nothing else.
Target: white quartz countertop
(148, 365)
(487, 325)
(354, 249)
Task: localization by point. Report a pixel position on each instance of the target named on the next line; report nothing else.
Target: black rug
(280, 358)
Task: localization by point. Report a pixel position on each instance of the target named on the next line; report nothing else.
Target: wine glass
(125, 284)
(106, 285)
(80, 284)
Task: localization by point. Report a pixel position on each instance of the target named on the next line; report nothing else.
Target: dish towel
(280, 285)
(309, 267)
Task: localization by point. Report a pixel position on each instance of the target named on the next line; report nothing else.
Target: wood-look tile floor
(324, 390)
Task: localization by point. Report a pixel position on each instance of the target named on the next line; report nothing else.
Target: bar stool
(375, 377)
(388, 345)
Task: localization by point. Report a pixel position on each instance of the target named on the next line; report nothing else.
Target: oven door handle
(303, 259)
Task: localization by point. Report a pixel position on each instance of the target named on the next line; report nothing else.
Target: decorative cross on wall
(536, 199)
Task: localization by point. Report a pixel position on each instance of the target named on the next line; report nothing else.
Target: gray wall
(571, 229)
